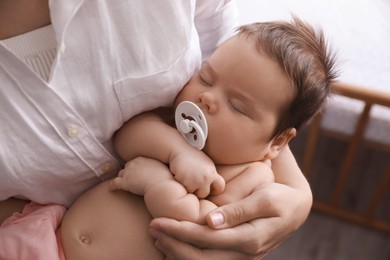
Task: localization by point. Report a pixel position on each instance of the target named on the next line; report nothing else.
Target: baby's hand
(136, 174)
(197, 173)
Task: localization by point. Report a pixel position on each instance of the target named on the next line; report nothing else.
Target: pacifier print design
(191, 123)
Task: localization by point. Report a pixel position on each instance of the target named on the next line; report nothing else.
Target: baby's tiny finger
(121, 173)
(202, 193)
(116, 183)
(218, 186)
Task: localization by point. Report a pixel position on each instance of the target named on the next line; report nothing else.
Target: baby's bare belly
(108, 225)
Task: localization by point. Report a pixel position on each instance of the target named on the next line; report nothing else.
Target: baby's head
(258, 87)
(303, 54)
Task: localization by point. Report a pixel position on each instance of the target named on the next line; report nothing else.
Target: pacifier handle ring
(185, 126)
(200, 134)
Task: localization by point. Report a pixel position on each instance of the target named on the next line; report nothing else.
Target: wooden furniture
(355, 142)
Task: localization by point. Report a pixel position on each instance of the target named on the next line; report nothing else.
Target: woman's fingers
(175, 249)
(250, 227)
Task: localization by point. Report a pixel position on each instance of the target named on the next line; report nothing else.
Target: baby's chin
(216, 157)
(223, 157)
(206, 149)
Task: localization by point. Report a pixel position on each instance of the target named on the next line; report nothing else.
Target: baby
(248, 100)
(246, 103)
(235, 115)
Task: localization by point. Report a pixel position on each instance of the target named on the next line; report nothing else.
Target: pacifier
(191, 123)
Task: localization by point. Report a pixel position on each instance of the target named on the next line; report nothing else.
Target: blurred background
(357, 226)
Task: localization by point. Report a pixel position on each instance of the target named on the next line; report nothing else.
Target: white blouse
(114, 59)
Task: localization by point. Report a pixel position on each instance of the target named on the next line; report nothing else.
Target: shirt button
(73, 131)
(62, 48)
(107, 167)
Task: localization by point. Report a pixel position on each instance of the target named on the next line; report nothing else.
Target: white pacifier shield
(191, 123)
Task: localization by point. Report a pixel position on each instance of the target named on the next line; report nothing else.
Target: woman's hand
(247, 229)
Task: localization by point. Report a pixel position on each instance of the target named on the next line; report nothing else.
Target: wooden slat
(365, 94)
(314, 133)
(332, 207)
(347, 138)
(377, 224)
(351, 154)
(383, 186)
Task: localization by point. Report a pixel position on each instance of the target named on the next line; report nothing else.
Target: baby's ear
(279, 142)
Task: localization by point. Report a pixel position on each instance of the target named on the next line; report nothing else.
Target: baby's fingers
(202, 193)
(218, 186)
(118, 183)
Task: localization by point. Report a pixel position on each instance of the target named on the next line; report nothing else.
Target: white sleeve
(215, 21)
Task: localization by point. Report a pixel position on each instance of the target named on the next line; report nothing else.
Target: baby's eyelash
(237, 109)
(203, 81)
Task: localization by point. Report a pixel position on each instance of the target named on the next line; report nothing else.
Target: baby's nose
(208, 102)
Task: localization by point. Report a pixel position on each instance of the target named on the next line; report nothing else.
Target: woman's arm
(248, 228)
(215, 21)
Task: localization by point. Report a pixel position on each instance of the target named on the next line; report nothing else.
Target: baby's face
(242, 93)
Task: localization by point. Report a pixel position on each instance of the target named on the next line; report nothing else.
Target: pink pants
(32, 234)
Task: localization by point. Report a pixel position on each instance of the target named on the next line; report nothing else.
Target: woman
(88, 68)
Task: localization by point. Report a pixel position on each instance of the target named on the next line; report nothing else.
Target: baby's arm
(148, 135)
(163, 195)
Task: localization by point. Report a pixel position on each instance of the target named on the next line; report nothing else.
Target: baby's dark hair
(302, 52)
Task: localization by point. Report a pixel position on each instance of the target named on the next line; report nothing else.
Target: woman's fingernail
(217, 218)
